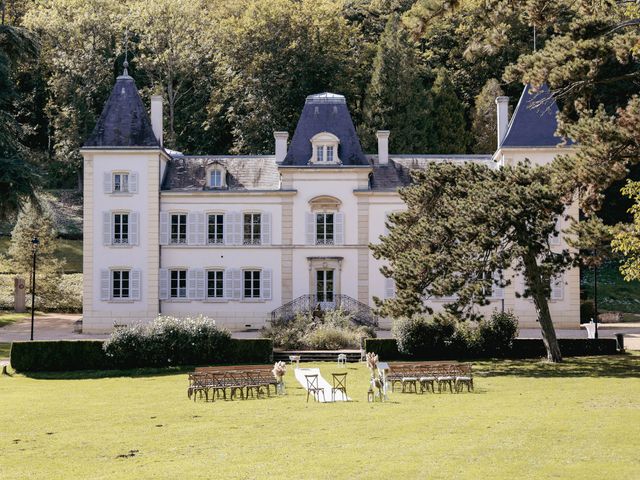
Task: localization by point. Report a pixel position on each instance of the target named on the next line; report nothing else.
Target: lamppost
(34, 249)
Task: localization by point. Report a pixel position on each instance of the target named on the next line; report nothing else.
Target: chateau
(239, 237)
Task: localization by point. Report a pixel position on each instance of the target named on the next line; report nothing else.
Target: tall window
(121, 182)
(179, 228)
(216, 228)
(120, 284)
(215, 179)
(215, 284)
(324, 285)
(324, 229)
(252, 229)
(251, 284)
(320, 153)
(330, 154)
(120, 228)
(178, 284)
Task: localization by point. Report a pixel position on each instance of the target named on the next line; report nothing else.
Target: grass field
(526, 420)
(5, 349)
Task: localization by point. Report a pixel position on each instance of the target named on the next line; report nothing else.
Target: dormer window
(324, 149)
(216, 177)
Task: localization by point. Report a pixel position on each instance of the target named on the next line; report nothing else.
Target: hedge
(66, 355)
(387, 349)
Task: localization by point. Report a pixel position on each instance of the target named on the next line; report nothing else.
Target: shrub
(332, 330)
(60, 355)
(422, 335)
(169, 341)
(496, 334)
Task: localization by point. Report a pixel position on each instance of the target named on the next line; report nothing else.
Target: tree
(627, 238)
(396, 98)
(484, 122)
(465, 226)
(33, 222)
(18, 180)
(448, 122)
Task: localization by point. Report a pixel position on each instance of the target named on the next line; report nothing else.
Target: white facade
(192, 244)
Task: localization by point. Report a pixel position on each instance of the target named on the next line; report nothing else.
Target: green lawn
(614, 293)
(526, 420)
(68, 250)
(7, 318)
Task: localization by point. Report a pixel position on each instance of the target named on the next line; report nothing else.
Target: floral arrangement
(279, 369)
(372, 362)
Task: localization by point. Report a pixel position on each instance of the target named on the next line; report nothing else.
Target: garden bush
(333, 330)
(60, 355)
(169, 341)
(422, 335)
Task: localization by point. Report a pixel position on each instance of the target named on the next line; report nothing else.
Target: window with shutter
(178, 283)
(325, 228)
(216, 284)
(251, 284)
(120, 284)
(120, 229)
(215, 229)
(252, 229)
(178, 232)
(557, 287)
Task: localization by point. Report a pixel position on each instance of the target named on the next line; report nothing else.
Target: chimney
(281, 145)
(503, 117)
(383, 146)
(156, 117)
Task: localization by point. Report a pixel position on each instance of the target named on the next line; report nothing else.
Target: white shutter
(265, 229)
(201, 234)
(133, 182)
(228, 284)
(164, 284)
(191, 284)
(192, 228)
(557, 287)
(310, 228)
(135, 284)
(107, 234)
(164, 228)
(389, 288)
(133, 228)
(237, 228)
(108, 186)
(105, 285)
(339, 228)
(236, 278)
(265, 284)
(200, 283)
(497, 291)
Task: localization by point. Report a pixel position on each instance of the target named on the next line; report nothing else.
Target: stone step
(316, 355)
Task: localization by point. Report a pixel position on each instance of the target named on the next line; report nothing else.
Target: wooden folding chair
(339, 385)
(312, 387)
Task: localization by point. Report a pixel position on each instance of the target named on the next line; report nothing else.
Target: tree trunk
(541, 302)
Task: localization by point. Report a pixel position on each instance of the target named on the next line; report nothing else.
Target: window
(215, 178)
(320, 154)
(179, 228)
(324, 148)
(120, 284)
(120, 228)
(120, 182)
(252, 229)
(178, 287)
(216, 228)
(251, 284)
(330, 154)
(324, 285)
(324, 229)
(215, 284)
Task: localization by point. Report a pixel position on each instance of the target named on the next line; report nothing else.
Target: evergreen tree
(34, 222)
(449, 127)
(396, 98)
(484, 122)
(465, 225)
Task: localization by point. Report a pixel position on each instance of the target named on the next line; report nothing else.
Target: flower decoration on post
(279, 369)
(376, 381)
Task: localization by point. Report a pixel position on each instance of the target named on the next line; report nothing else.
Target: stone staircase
(353, 356)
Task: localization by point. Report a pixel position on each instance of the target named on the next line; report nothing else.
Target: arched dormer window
(216, 176)
(324, 149)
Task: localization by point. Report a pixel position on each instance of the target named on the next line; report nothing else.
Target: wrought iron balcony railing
(361, 313)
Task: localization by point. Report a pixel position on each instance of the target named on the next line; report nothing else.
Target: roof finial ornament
(125, 64)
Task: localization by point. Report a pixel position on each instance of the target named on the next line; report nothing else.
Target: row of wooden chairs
(212, 382)
(427, 376)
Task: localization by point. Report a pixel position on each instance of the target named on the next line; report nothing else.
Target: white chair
(591, 329)
(342, 359)
(295, 358)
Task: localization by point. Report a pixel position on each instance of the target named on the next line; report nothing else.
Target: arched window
(324, 149)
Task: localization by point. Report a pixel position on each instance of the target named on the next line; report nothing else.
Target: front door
(324, 288)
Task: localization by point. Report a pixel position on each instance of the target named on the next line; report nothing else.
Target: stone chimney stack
(503, 117)
(156, 117)
(281, 145)
(383, 146)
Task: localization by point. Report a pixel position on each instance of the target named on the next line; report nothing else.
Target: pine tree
(484, 123)
(447, 117)
(465, 224)
(396, 97)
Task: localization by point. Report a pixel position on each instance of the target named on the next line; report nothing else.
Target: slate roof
(534, 122)
(325, 112)
(189, 173)
(124, 122)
